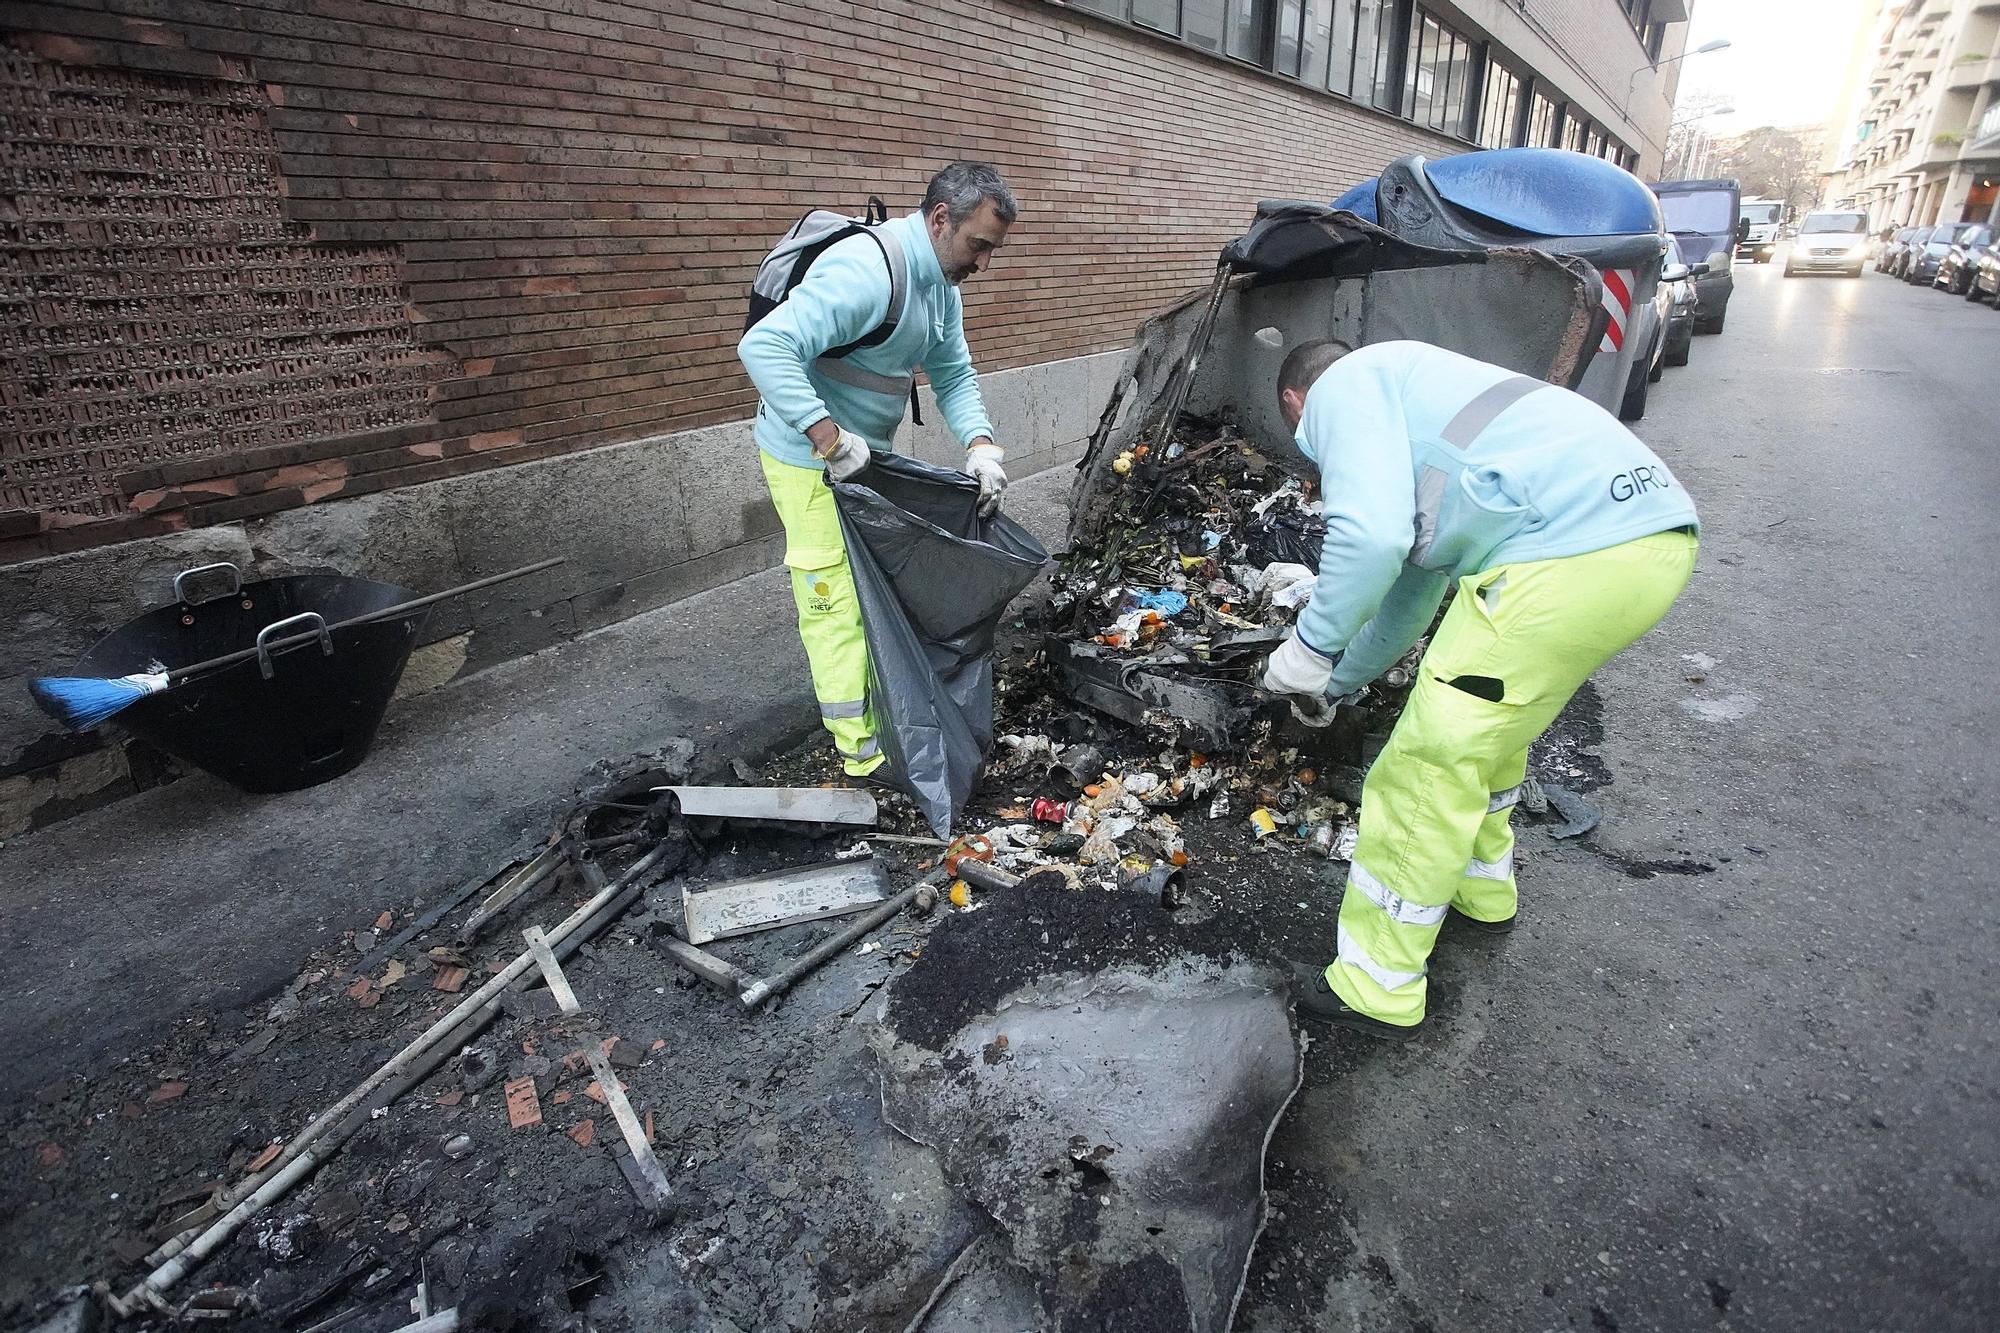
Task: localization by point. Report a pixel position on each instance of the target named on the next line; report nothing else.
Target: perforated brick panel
(155, 305)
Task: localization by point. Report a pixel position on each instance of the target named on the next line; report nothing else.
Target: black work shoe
(1487, 927)
(1316, 1000)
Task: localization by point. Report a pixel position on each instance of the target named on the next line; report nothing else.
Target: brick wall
(574, 194)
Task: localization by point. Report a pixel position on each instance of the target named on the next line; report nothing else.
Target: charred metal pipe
(767, 988)
(1191, 363)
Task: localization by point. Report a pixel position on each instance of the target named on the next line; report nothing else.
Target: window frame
(1381, 69)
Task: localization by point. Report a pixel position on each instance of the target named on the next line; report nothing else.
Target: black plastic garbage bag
(934, 579)
(1284, 537)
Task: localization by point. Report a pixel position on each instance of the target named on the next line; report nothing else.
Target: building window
(1393, 55)
(1201, 24)
(1501, 108)
(1574, 130)
(1160, 15)
(1440, 74)
(1542, 123)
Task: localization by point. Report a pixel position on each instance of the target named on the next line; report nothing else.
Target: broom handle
(179, 674)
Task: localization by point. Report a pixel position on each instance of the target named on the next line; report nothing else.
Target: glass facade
(1397, 56)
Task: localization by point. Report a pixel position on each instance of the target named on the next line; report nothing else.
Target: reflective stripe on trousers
(1393, 905)
(1353, 955)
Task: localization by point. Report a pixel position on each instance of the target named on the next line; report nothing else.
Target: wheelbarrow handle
(235, 586)
(303, 618)
(263, 650)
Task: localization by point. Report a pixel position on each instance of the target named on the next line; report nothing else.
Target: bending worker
(824, 414)
(1567, 540)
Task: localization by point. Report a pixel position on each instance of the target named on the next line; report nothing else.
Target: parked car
(1704, 216)
(1986, 277)
(1954, 272)
(1831, 240)
(1927, 251)
(1890, 256)
(1685, 310)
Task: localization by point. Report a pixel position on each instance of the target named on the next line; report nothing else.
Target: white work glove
(1297, 669)
(982, 464)
(849, 454)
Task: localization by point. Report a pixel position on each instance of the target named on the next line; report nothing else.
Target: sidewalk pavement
(198, 898)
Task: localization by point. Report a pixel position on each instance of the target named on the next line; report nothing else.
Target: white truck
(1757, 230)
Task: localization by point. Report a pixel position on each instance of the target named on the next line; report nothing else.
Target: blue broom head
(81, 702)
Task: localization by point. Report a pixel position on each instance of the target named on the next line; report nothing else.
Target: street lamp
(1720, 43)
(1690, 118)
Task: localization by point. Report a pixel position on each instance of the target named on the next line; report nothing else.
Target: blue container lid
(1539, 191)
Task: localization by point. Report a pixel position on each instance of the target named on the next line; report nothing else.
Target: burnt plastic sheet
(934, 579)
(1114, 1127)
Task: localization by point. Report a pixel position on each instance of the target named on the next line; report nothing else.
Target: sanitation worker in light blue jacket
(824, 414)
(1567, 539)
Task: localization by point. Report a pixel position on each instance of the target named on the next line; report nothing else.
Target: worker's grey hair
(963, 186)
(1305, 363)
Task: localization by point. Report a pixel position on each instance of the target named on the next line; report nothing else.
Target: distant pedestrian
(1567, 539)
(821, 413)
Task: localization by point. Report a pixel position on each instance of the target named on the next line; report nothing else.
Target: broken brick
(452, 1098)
(370, 1000)
(384, 921)
(524, 1108)
(649, 1126)
(166, 1092)
(583, 1131)
(265, 1158)
(561, 1097)
(596, 1092)
(449, 978)
(360, 988)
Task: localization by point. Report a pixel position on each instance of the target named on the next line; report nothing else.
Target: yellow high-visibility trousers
(1436, 806)
(829, 610)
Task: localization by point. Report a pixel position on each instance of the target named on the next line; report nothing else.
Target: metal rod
(179, 674)
(779, 982)
(1191, 363)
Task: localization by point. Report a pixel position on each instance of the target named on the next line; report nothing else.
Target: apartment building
(1924, 145)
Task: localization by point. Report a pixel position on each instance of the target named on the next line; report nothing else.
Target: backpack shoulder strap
(899, 294)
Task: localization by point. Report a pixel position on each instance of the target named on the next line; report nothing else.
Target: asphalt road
(1761, 1096)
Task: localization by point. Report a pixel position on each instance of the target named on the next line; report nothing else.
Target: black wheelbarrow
(273, 685)
(284, 719)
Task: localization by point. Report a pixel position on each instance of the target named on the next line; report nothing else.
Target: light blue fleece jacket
(844, 296)
(1552, 474)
